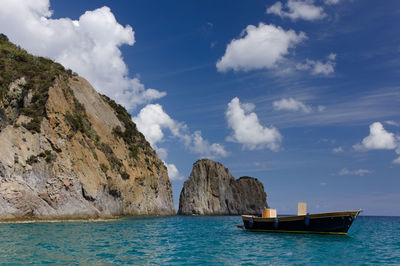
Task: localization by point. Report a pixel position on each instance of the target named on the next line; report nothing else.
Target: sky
(302, 94)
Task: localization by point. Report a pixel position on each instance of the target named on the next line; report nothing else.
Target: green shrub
(35, 98)
(124, 175)
(32, 159)
(133, 151)
(27, 111)
(47, 155)
(117, 131)
(3, 37)
(114, 162)
(34, 125)
(103, 168)
(39, 72)
(78, 119)
(131, 136)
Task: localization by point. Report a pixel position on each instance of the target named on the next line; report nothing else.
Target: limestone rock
(67, 152)
(212, 190)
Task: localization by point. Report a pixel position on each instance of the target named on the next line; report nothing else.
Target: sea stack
(212, 190)
(67, 152)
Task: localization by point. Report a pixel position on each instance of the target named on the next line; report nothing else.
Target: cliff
(212, 190)
(67, 152)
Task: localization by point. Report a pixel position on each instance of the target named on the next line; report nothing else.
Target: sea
(194, 240)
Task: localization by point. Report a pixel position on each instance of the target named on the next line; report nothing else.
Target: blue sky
(305, 96)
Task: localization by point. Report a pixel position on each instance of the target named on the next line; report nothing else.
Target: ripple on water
(194, 240)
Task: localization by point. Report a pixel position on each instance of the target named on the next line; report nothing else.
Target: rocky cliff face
(212, 190)
(67, 152)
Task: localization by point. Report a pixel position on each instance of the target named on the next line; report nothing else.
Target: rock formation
(67, 152)
(212, 190)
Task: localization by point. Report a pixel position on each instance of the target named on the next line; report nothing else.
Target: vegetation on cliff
(88, 160)
(39, 73)
(132, 137)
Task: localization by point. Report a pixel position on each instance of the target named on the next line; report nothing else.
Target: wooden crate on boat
(301, 208)
(269, 213)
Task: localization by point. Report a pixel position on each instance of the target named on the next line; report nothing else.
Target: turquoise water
(194, 240)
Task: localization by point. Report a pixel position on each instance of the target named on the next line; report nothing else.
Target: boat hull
(322, 223)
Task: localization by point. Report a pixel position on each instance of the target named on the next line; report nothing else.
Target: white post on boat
(301, 208)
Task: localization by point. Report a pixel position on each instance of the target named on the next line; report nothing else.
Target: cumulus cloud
(290, 104)
(319, 67)
(378, 139)
(359, 172)
(203, 147)
(337, 150)
(247, 130)
(152, 121)
(173, 172)
(298, 9)
(259, 47)
(89, 46)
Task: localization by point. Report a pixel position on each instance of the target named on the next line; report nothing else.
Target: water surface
(194, 240)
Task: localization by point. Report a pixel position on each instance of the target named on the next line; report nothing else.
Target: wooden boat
(321, 223)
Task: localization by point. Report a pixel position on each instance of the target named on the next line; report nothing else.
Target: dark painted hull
(322, 223)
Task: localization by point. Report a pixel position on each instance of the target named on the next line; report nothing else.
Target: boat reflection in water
(321, 223)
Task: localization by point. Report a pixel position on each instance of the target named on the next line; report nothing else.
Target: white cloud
(321, 108)
(162, 153)
(247, 130)
(152, 121)
(332, 56)
(397, 161)
(203, 147)
(319, 67)
(337, 150)
(378, 139)
(297, 9)
(261, 165)
(89, 46)
(331, 2)
(359, 172)
(259, 47)
(392, 123)
(322, 68)
(173, 172)
(290, 104)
